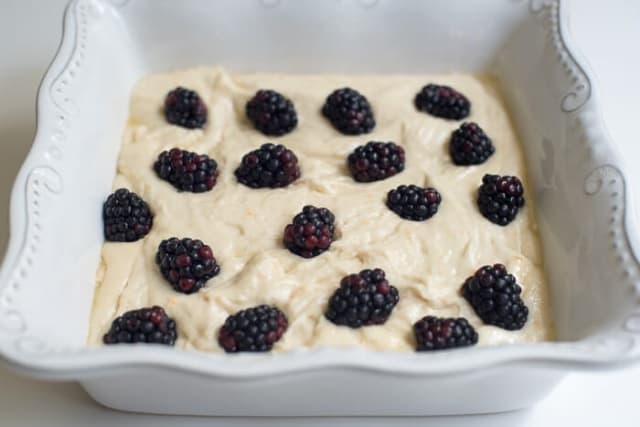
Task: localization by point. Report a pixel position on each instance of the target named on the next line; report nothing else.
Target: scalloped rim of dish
(620, 347)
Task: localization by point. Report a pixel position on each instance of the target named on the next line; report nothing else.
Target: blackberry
(442, 101)
(271, 113)
(500, 198)
(145, 325)
(186, 263)
(311, 232)
(469, 145)
(413, 202)
(270, 166)
(495, 297)
(349, 112)
(362, 299)
(376, 161)
(253, 329)
(184, 107)
(186, 170)
(126, 217)
(439, 333)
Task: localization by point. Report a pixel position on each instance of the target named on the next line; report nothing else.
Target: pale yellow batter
(427, 261)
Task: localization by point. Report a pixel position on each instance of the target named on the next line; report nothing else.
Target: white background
(607, 33)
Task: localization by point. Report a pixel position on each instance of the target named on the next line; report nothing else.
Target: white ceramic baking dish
(47, 279)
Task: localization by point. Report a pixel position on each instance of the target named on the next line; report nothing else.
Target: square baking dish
(586, 224)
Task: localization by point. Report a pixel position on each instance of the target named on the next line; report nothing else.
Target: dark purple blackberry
(439, 333)
(145, 325)
(186, 170)
(469, 145)
(311, 232)
(349, 112)
(500, 198)
(270, 166)
(186, 263)
(376, 161)
(495, 297)
(413, 202)
(126, 217)
(442, 101)
(253, 329)
(184, 107)
(271, 113)
(362, 299)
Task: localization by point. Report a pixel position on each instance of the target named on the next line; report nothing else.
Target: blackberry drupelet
(495, 297)
(376, 161)
(184, 107)
(186, 170)
(145, 325)
(187, 264)
(469, 145)
(442, 101)
(500, 198)
(271, 113)
(413, 202)
(311, 232)
(362, 299)
(270, 166)
(126, 217)
(253, 329)
(438, 333)
(349, 112)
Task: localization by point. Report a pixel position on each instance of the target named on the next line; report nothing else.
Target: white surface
(581, 214)
(579, 399)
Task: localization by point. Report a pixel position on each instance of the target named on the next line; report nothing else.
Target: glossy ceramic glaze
(47, 278)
